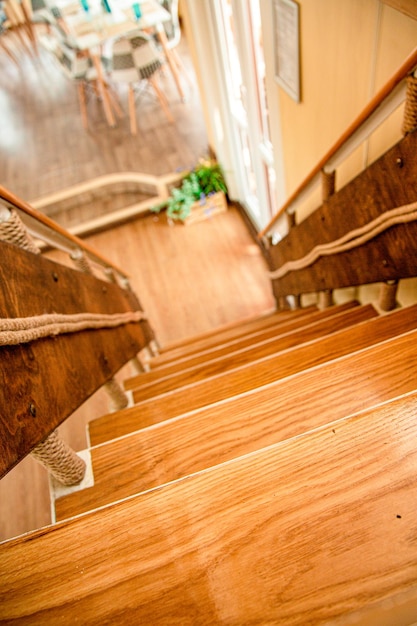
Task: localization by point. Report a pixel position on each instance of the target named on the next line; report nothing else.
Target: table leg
(164, 43)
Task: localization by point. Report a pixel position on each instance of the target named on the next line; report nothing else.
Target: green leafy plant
(205, 179)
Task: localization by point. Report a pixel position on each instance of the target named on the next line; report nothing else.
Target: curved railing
(382, 104)
(42, 227)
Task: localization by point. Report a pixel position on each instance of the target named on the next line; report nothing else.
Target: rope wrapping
(410, 109)
(14, 231)
(61, 461)
(352, 239)
(15, 331)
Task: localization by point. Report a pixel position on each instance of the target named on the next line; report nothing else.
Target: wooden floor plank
(220, 432)
(181, 298)
(217, 338)
(239, 344)
(269, 369)
(230, 361)
(320, 529)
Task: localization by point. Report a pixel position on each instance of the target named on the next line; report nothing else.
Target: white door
(239, 35)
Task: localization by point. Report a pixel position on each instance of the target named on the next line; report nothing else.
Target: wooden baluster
(53, 453)
(387, 295)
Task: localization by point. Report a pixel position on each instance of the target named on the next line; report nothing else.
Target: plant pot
(204, 209)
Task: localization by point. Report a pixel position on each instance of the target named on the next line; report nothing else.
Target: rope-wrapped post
(387, 295)
(60, 460)
(410, 109)
(14, 231)
(118, 398)
(81, 262)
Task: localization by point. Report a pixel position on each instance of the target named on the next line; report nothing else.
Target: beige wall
(349, 49)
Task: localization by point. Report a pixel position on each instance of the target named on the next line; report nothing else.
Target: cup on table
(137, 11)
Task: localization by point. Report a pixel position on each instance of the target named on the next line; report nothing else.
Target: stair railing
(387, 100)
(401, 86)
(27, 422)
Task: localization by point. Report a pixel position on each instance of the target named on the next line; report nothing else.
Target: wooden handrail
(407, 66)
(23, 206)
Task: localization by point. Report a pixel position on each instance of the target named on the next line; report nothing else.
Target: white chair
(135, 60)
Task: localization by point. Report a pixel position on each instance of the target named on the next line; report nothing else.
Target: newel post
(53, 453)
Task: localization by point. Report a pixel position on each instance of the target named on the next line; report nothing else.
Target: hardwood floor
(44, 147)
(189, 279)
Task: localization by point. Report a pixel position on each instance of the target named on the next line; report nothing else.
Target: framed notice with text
(287, 46)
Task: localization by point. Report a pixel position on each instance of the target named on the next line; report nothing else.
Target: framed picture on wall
(286, 22)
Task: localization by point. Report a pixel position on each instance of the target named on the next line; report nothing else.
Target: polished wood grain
(319, 529)
(253, 328)
(182, 297)
(216, 349)
(386, 184)
(175, 381)
(269, 369)
(222, 431)
(33, 403)
(233, 359)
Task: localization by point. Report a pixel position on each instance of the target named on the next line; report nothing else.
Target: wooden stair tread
(226, 349)
(319, 528)
(258, 325)
(266, 370)
(220, 432)
(237, 361)
(213, 332)
(247, 355)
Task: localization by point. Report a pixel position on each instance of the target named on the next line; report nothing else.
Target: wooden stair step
(318, 529)
(277, 366)
(240, 344)
(244, 356)
(216, 338)
(219, 432)
(212, 332)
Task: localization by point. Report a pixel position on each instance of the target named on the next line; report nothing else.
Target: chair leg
(9, 52)
(162, 99)
(132, 111)
(114, 100)
(180, 65)
(83, 104)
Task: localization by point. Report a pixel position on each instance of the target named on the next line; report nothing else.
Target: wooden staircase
(266, 474)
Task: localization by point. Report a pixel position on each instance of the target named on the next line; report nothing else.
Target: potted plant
(202, 193)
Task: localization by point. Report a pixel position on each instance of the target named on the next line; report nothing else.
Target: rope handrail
(352, 239)
(15, 202)
(15, 331)
(406, 68)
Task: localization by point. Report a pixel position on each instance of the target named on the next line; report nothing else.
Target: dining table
(90, 27)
